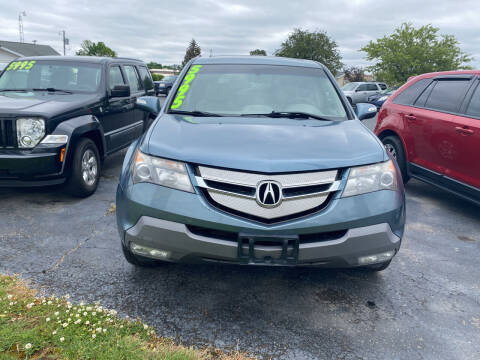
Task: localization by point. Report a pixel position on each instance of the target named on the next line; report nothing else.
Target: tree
(89, 48)
(410, 51)
(317, 46)
(154, 65)
(258, 52)
(354, 73)
(193, 50)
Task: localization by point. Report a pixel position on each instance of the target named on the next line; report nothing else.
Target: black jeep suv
(61, 116)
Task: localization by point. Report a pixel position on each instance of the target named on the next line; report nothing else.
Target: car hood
(263, 144)
(42, 103)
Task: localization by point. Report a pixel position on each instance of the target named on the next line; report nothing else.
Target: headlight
(369, 178)
(383, 98)
(160, 171)
(30, 131)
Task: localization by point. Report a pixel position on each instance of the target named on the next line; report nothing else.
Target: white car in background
(357, 92)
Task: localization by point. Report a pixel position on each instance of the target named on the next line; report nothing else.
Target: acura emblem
(269, 193)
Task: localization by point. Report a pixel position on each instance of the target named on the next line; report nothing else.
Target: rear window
(447, 95)
(410, 94)
(132, 78)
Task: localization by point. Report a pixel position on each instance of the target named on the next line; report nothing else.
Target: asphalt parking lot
(426, 305)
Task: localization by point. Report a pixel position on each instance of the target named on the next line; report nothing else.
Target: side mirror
(120, 91)
(149, 104)
(365, 111)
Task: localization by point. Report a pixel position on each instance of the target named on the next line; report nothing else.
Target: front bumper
(181, 245)
(162, 90)
(37, 167)
(162, 218)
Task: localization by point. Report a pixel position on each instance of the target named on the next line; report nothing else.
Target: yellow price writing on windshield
(182, 90)
(20, 65)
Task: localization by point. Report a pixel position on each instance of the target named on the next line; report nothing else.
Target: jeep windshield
(257, 90)
(51, 76)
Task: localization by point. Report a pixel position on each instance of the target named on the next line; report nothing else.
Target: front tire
(85, 169)
(138, 260)
(394, 146)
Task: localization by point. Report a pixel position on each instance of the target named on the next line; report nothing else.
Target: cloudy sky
(160, 30)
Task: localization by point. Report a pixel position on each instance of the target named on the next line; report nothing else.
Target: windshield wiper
(194, 113)
(290, 115)
(50, 89)
(14, 90)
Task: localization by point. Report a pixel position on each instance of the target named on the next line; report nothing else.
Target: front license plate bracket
(289, 249)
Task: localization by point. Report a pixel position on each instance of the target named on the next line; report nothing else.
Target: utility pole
(20, 26)
(65, 41)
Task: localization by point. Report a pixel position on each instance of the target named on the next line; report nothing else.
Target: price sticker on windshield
(20, 65)
(182, 90)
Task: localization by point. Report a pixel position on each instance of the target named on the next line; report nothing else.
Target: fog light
(149, 252)
(376, 258)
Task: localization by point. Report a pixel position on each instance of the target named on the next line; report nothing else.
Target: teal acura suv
(260, 161)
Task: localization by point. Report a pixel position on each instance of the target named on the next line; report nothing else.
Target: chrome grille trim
(247, 204)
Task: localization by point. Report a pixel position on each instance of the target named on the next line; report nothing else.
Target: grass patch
(34, 327)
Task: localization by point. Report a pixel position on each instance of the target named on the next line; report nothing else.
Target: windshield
(236, 90)
(349, 86)
(169, 78)
(42, 74)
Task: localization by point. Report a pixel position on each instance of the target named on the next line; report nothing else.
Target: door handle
(410, 117)
(464, 130)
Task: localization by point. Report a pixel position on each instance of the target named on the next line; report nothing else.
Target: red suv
(431, 125)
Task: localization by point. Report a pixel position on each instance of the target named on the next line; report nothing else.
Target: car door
(432, 125)
(361, 93)
(135, 115)
(116, 115)
(465, 130)
(372, 89)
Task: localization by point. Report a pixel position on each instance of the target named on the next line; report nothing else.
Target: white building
(10, 50)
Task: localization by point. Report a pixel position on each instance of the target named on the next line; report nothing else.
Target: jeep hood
(42, 103)
(263, 144)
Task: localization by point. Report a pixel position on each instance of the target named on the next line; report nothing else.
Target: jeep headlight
(369, 178)
(160, 171)
(30, 131)
(383, 98)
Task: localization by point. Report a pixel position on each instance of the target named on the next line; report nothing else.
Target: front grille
(236, 192)
(8, 132)
(233, 236)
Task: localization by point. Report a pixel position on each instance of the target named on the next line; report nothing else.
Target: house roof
(25, 49)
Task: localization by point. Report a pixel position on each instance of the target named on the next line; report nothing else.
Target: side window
(133, 79)
(146, 77)
(372, 87)
(423, 98)
(473, 108)
(447, 95)
(115, 77)
(362, 87)
(410, 94)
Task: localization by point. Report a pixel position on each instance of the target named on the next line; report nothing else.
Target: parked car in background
(61, 116)
(431, 125)
(260, 161)
(379, 99)
(357, 92)
(165, 85)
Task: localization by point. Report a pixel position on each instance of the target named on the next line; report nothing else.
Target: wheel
(394, 146)
(376, 267)
(138, 260)
(85, 169)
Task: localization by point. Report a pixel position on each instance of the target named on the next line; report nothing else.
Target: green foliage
(354, 73)
(258, 52)
(90, 48)
(193, 50)
(53, 328)
(316, 45)
(157, 77)
(410, 51)
(154, 65)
